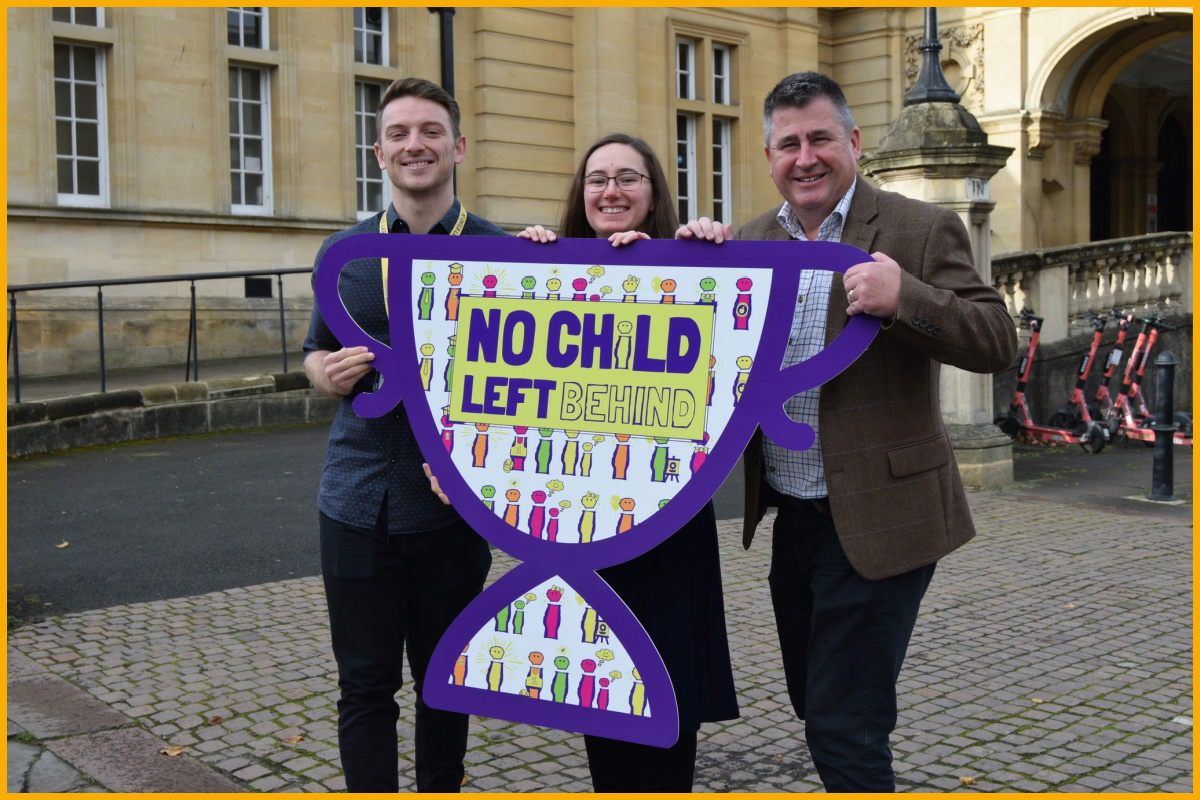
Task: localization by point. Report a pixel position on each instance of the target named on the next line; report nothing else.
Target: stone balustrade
(1065, 284)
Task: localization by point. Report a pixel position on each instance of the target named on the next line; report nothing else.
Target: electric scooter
(1078, 410)
(1104, 399)
(1134, 418)
(1017, 422)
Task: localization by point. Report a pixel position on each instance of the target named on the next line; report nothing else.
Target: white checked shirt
(801, 473)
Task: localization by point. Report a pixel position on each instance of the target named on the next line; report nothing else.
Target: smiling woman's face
(614, 209)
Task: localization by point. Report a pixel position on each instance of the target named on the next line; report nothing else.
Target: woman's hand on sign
(434, 486)
(625, 237)
(537, 233)
(706, 229)
(335, 373)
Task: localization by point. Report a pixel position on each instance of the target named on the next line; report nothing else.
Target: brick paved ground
(1052, 654)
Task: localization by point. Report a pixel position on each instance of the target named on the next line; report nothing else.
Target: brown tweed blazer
(894, 489)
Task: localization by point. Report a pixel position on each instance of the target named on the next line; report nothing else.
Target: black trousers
(385, 592)
(843, 639)
(618, 766)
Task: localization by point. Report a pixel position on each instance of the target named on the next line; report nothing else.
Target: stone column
(937, 152)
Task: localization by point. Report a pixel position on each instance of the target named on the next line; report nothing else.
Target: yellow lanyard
(383, 228)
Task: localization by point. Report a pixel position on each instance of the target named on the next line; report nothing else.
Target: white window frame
(685, 148)
(365, 33)
(722, 169)
(685, 74)
(720, 75)
(250, 11)
(236, 173)
(367, 169)
(75, 198)
(71, 15)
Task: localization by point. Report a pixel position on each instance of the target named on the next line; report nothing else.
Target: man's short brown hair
(426, 90)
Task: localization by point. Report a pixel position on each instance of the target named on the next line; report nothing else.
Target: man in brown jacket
(866, 513)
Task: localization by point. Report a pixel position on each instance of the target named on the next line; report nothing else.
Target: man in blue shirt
(398, 564)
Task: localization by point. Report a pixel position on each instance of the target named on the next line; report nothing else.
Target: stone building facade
(170, 141)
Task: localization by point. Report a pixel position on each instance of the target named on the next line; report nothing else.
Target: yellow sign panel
(604, 367)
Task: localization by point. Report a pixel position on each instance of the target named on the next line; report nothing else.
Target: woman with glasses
(620, 192)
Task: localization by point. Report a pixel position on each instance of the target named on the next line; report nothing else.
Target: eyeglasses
(626, 180)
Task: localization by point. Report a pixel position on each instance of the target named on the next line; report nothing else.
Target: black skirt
(675, 591)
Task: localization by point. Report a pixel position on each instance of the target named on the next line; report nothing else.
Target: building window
(370, 179)
(79, 16)
(80, 125)
(685, 69)
(247, 27)
(250, 140)
(685, 165)
(370, 36)
(706, 115)
(720, 74)
(721, 167)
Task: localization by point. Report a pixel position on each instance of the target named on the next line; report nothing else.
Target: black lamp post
(931, 86)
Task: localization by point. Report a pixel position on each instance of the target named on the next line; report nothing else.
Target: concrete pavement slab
(128, 760)
(48, 706)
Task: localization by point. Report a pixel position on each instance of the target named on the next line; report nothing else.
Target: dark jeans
(618, 766)
(843, 640)
(385, 592)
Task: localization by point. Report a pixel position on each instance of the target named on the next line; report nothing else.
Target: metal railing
(192, 363)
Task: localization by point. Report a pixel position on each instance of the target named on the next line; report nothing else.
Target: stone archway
(1101, 97)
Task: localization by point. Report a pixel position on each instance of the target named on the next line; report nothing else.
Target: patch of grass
(26, 737)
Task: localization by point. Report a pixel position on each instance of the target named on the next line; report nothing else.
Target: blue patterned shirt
(801, 473)
(367, 459)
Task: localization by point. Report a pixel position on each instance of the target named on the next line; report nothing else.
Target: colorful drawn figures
(460, 666)
(553, 615)
(479, 448)
(502, 618)
(528, 284)
(580, 287)
(570, 453)
(620, 459)
(585, 463)
(744, 363)
(455, 279)
(561, 682)
(587, 519)
(512, 512)
(447, 430)
(489, 285)
(659, 458)
(552, 526)
(519, 617)
(587, 683)
(741, 306)
(602, 697)
(426, 365)
(533, 680)
(495, 669)
(425, 300)
(553, 285)
(545, 451)
(588, 623)
(537, 514)
(698, 456)
(520, 447)
(630, 286)
(637, 695)
(623, 351)
(707, 293)
(625, 506)
(448, 375)
(489, 497)
(668, 291)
